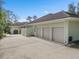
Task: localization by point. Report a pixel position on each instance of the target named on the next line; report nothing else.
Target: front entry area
(58, 34)
(15, 32)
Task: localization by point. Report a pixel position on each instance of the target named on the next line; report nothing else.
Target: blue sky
(24, 8)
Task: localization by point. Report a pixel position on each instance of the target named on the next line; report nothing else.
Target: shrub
(1, 35)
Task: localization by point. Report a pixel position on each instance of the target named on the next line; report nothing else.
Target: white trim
(57, 21)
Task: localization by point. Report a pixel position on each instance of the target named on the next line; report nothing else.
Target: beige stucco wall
(74, 30)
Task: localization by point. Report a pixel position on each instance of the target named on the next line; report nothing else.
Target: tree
(15, 18)
(2, 18)
(7, 28)
(1, 4)
(71, 9)
(29, 18)
(15, 21)
(11, 17)
(34, 17)
(7, 17)
(78, 9)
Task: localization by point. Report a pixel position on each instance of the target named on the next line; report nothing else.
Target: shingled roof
(19, 23)
(24, 25)
(59, 15)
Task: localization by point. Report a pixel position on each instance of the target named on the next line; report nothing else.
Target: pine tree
(34, 17)
(29, 18)
(71, 9)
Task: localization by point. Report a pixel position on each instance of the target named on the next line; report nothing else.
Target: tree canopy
(78, 9)
(71, 8)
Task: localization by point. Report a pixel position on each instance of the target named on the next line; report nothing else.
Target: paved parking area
(20, 47)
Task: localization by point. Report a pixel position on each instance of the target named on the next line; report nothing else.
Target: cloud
(46, 12)
(22, 20)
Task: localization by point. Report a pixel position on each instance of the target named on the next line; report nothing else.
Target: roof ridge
(46, 15)
(43, 16)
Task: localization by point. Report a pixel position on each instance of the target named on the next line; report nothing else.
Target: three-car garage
(57, 27)
(51, 33)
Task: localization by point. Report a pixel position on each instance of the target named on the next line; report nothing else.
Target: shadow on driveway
(75, 46)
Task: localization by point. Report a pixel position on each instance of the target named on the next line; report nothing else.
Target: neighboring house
(59, 27)
(18, 28)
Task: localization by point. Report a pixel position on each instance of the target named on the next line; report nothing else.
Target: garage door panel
(58, 34)
(47, 34)
(24, 31)
(38, 32)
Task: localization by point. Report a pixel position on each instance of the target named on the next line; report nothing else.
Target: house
(19, 28)
(59, 27)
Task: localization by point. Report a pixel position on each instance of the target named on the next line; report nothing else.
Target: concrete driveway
(20, 47)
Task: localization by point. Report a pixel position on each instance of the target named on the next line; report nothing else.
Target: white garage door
(47, 34)
(39, 32)
(58, 34)
(24, 31)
